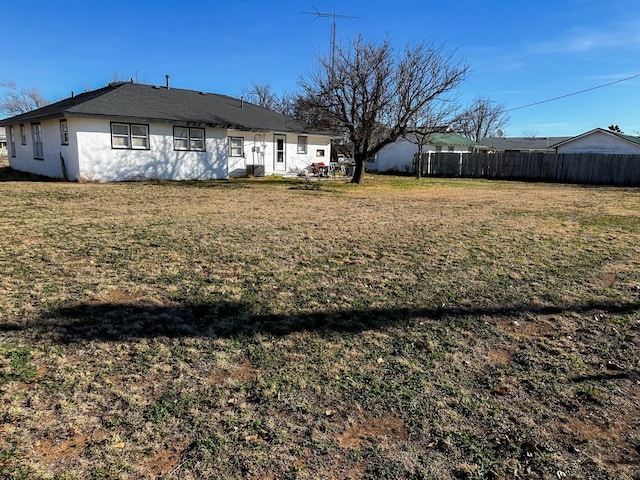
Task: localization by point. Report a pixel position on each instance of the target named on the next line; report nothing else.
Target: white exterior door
(280, 153)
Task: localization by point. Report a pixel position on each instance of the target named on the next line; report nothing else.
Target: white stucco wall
(98, 161)
(398, 156)
(50, 165)
(599, 142)
(260, 149)
(89, 156)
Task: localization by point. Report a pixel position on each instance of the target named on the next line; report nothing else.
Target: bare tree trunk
(419, 162)
(358, 174)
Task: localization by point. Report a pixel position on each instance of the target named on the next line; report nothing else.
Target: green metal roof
(450, 139)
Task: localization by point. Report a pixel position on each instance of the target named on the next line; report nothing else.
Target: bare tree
(19, 100)
(482, 119)
(369, 86)
(421, 138)
(262, 95)
(433, 120)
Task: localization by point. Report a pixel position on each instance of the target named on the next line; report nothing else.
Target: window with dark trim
(236, 146)
(188, 138)
(12, 141)
(23, 135)
(130, 136)
(320, 152)
(302, 144)
(64, 132)
(36, 136)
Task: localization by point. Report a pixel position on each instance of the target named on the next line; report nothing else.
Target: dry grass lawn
(270, 329)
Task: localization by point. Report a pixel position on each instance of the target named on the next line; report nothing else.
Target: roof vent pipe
(167, 81)
(241, 102)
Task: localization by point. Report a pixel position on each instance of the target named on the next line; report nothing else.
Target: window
(36, 134)
(64, 132)
(438, 148)
(450, 148)
(302, 144)
(130, 136)
(196, 139)
(12, 141)
(236, 146)
(320, 153)
(180, 138)
(23, 135)
(185, 138)
(120, 135)
(139, 137)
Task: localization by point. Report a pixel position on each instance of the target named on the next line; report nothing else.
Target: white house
(600, 140)
(3, 142)
(399, 156)
(128, 131)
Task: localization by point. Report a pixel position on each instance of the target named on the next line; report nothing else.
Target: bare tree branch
(18, 100)
(262, 95)
(373, 95)
(482, 119)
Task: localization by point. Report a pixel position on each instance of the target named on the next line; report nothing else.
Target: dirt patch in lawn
(369, 431)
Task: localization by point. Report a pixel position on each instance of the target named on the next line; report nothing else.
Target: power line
(574, 93)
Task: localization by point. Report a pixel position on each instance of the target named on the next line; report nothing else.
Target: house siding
(50, 165)
(89, 155)
(398, 156)
(599, 142)
(98, 161)
(259, 149)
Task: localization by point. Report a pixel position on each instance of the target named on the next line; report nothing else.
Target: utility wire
(574, 93)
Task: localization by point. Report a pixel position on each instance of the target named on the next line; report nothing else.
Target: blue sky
(519, 52)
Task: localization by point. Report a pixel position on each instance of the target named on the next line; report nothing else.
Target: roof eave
(25, 118)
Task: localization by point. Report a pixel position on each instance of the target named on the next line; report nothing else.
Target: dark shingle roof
(159, 104)
(444, 139)
(522, 143)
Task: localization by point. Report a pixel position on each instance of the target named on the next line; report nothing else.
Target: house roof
(627, 138)
(450, 139)
(526, 144)
(150, 103)
(445, 139)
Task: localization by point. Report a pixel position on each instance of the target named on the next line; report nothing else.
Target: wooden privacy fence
(589, 168)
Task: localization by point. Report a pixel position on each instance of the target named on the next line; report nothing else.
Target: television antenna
(333, 17)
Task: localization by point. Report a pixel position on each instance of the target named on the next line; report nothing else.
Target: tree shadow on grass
(131, 321)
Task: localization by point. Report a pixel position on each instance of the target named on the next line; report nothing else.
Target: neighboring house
(600, 140)
(399, 156)
(522, 144)
(128, 131)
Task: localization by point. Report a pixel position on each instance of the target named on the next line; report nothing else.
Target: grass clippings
(448, 329)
